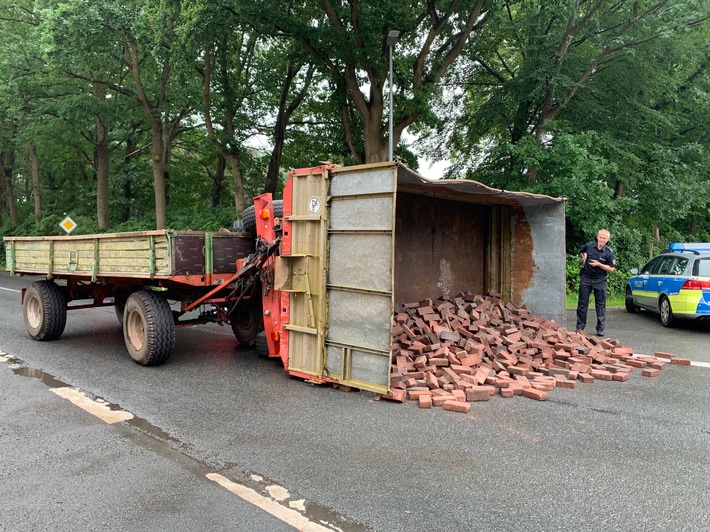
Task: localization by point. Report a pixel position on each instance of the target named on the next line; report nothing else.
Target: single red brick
(398, 395)
(622, 350)
(478, 393)
(507, 392)
(415, 394)
(658, 365)
(425, 401)
(459, 395)
(681, 361)
(566, 383)
(621, 376)
(586, 378)
(439, 400)
(651, 372)
(532, 393)
(516, 387)
(457, 406)
(602, 375)
(636, 363)
(663, 355)
(471, 360)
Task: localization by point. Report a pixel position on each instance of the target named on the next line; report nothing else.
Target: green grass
(614, 300)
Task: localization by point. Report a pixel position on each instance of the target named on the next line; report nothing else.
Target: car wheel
(667, 318)
(629, 302)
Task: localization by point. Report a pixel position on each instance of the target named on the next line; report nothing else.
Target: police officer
(598, 260)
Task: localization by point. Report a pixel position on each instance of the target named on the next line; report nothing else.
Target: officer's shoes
(600, 333)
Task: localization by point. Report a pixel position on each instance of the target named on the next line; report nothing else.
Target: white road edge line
(9, 289)
(99, 409)
(290, 517)
(701, 364)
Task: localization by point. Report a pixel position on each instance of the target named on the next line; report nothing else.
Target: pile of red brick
(453, 351)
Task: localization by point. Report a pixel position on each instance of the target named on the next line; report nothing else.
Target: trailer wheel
(247, 223)
(262, 346)
(45, 310)
(246, 322)
(148, 328)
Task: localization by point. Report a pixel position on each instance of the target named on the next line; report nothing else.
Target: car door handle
(660, 283)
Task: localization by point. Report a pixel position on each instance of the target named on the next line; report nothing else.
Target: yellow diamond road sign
(67, 224)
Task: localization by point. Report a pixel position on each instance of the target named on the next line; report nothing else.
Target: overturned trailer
(357, 241)
(332, 261)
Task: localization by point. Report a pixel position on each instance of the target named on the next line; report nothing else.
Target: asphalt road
(605, 456)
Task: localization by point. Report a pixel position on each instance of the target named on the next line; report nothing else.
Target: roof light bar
(689, 246)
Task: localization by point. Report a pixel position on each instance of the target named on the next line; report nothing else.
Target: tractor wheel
(247, 322)
(148, 328)
(45, 310)
(261, 344)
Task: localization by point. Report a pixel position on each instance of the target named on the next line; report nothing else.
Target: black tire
(45, 310)
(148, 328)
(629, 302)
(247, 223)
(119, 305)
(247, 322)
(262, 346)
(664, 306)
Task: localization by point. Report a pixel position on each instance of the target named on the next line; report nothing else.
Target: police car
(675, 284)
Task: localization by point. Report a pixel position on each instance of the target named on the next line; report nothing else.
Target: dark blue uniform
(593, 278)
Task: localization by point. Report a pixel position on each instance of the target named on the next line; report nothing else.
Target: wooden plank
(131, 254)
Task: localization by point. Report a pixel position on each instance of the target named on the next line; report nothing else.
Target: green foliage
(622, 136)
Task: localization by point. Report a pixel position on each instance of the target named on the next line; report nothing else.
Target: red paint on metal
(266, 228)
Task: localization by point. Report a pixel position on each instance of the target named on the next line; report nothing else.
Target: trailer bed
(187, 257)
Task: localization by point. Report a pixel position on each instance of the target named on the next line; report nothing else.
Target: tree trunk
(101, 162)
(7, 164)
(36, 190)
(156, 152)
(218, 182)
(234, 164)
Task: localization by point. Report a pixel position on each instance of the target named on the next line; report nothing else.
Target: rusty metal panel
(360, 277)
(440, 247)
(226, 249)
(188, 254)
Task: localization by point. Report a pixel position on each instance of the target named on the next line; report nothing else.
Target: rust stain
(522, 256)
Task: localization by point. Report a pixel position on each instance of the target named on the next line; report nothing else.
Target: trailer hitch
(246, 273)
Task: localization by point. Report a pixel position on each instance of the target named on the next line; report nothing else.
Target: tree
(348, 40)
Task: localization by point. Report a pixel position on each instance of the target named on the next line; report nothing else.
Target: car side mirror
(634, 271)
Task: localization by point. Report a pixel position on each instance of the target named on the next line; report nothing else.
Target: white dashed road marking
(97, 408)
(290, 517)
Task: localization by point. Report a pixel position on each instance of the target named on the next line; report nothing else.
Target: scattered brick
(457, 406)
(538, 395)
(456, 350)
(680, 361)
(667, 356)
(425, 401)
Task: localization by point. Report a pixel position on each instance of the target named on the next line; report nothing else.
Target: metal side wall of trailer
(360, 240)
